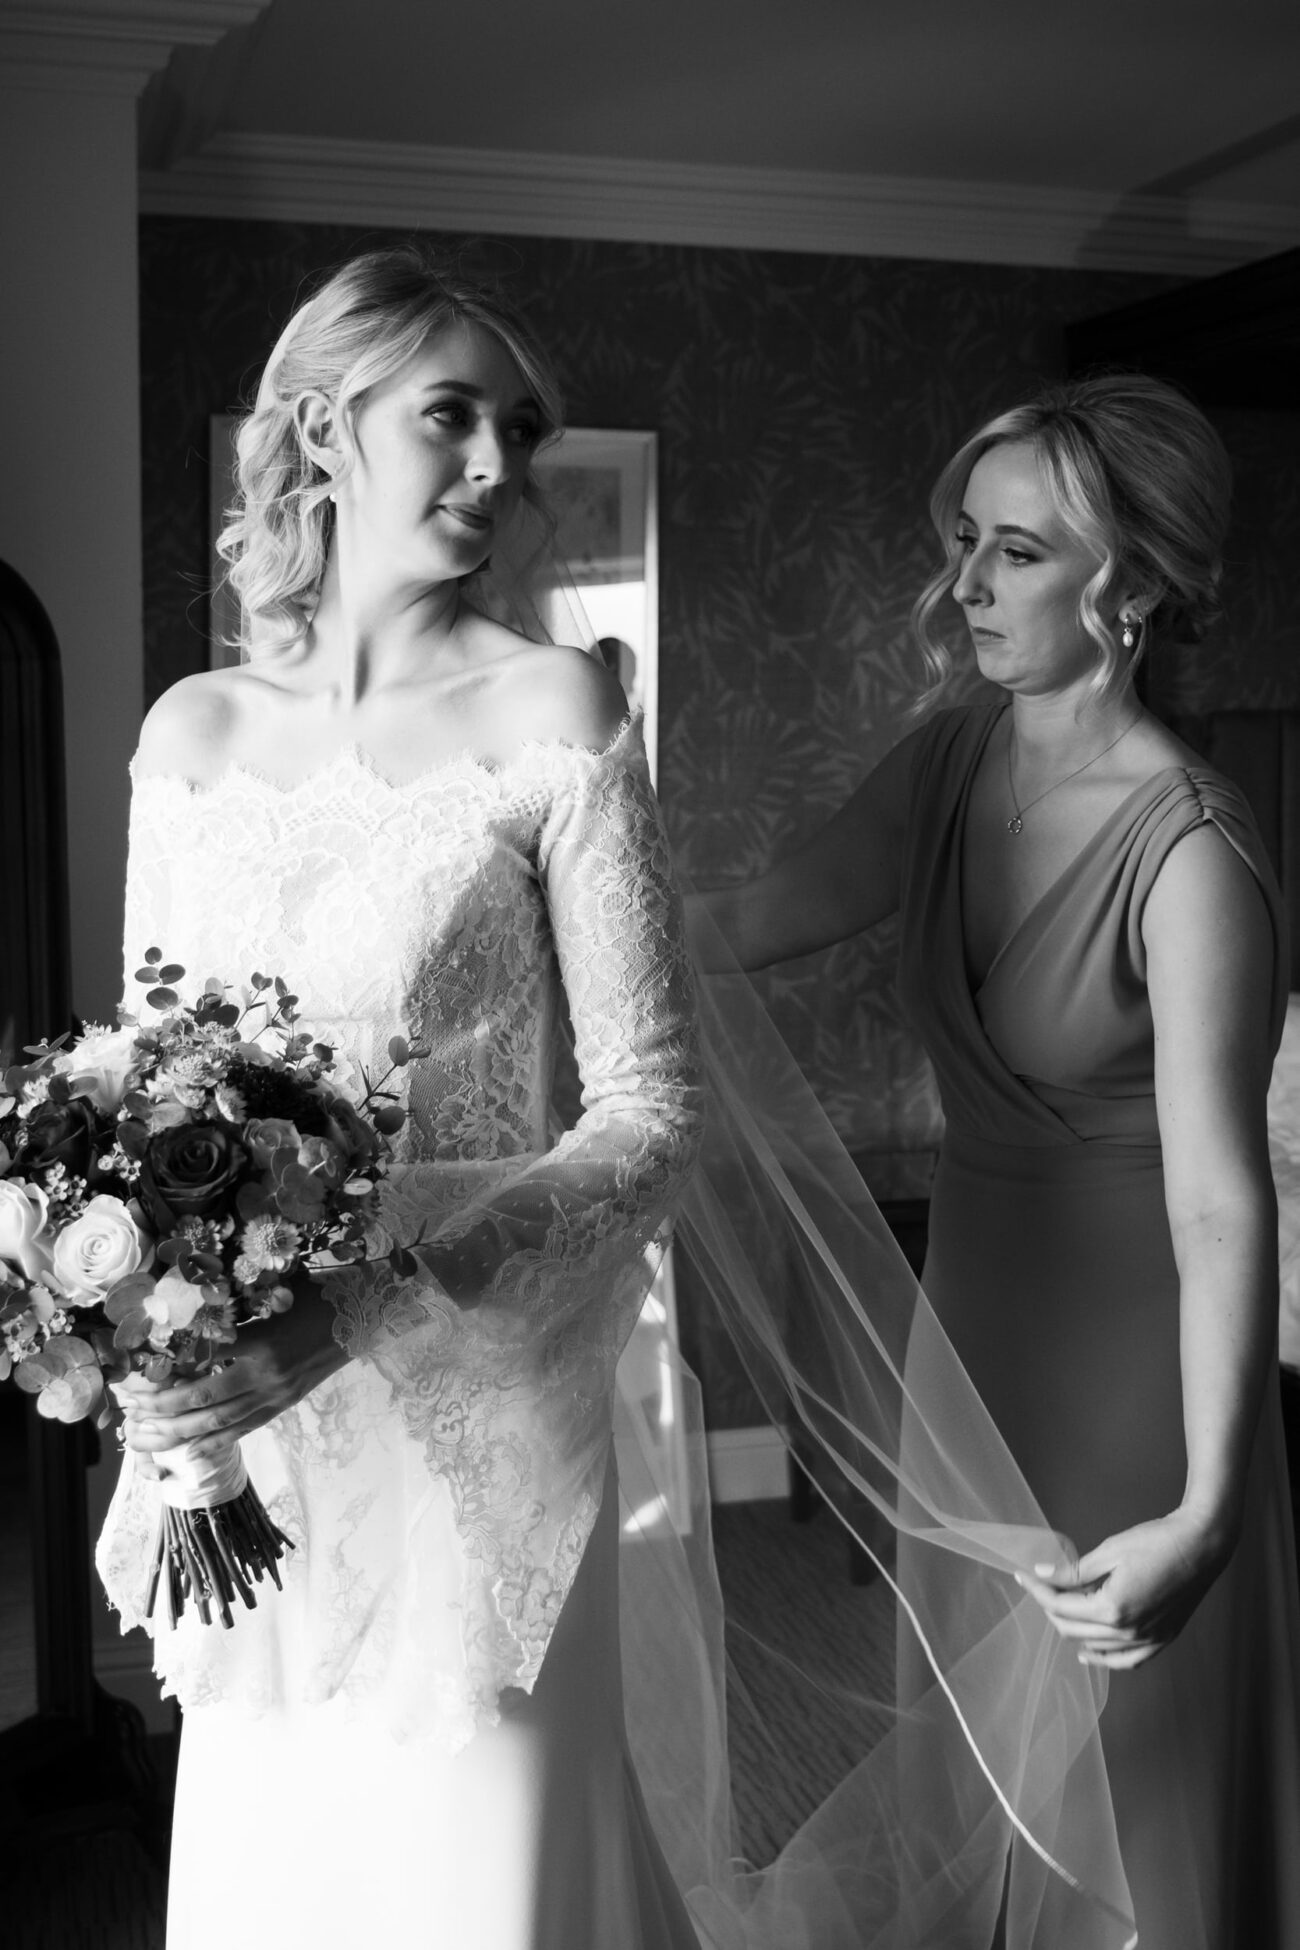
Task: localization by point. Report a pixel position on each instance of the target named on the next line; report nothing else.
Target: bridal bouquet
(160, 1187)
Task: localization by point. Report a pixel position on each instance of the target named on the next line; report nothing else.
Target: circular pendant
(1015, 825)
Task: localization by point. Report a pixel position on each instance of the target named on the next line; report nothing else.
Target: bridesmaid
(1092, 950)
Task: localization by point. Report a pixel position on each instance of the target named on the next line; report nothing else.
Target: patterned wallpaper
(1251, 662)
(804, 404)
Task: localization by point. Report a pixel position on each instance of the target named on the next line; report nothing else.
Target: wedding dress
(436, 1694)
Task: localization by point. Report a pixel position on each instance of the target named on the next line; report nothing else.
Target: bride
(426, 823)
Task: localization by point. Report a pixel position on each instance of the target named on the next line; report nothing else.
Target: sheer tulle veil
(977, 1807)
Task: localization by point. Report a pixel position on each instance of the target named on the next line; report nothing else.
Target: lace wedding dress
(420, 1741)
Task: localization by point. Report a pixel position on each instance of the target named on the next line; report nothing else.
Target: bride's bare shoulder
(549, 693)
(193, 729)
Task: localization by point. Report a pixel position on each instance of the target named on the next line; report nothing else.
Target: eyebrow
(468, 390)
(1008, 528)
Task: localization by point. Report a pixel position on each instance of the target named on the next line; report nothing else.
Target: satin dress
(1052, 1270)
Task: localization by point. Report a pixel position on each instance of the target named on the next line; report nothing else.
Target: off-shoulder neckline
(353, 757)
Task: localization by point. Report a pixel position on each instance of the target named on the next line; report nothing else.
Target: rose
(103, 1068)
(101, 1247)
(189, 1170)
(264, 1136)
(60, 1134)
(24, 1210)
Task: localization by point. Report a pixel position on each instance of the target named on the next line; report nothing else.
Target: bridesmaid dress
(1051, 1268)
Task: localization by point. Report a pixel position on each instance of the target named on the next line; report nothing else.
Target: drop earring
(1130, 631)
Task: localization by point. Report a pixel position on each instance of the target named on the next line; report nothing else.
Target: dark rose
(190, 1171)
(60, 1134)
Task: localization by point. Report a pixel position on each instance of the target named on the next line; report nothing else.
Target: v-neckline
(975, 984)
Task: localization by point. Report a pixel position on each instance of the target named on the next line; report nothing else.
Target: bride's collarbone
(401, 735)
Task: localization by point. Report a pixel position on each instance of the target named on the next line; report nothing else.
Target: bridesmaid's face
(442, 451)
(1022, 575)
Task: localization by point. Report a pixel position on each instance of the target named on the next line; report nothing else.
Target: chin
(991, 663)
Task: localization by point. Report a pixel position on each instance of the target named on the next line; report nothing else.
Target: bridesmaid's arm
(1210, 964)
(842, 880)
(1210, 956)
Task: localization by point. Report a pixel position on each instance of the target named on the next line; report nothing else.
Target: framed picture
(600, 484)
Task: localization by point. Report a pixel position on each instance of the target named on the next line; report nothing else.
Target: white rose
(23, 1213)
(99, 1248)
(102, 1068)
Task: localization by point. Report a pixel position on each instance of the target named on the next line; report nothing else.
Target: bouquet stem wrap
(215, 1539)
(193, 1481)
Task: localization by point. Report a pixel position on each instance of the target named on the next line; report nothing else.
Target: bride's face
(441, 455)
(1022, 575)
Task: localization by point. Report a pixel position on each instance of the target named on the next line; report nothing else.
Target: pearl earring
(1131, 631)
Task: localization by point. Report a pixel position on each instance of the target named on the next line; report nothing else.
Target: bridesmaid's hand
(1130, 1596)
(274, 1364)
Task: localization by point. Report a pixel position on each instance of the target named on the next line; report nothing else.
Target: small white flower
(271, 1245)
(174, 1302)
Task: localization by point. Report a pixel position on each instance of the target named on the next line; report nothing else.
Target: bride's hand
(1130, 1596)
(274, 1364)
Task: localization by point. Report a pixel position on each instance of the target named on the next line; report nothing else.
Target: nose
(487, 460)
(968, 586)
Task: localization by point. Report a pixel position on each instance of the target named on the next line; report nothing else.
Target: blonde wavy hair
(1139, 476)
(362, 326)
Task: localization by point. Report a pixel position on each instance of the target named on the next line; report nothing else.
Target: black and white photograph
(649, 975)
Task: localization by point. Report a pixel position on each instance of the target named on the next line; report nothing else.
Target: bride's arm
(552, 1229)
(1209, 961)
(842, 880)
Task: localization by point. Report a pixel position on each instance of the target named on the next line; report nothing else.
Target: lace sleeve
(546, 1237)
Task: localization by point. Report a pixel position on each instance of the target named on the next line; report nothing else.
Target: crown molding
(107, 46)
(504, 192)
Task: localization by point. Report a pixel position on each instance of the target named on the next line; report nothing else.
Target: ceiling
(1181, 100)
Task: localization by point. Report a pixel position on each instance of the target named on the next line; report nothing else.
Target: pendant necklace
(1016, 823)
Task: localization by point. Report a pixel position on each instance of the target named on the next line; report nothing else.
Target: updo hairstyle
(362, 326)
(1140, 477)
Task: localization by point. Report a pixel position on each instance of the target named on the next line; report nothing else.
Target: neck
(367, 635)
(1066, 724)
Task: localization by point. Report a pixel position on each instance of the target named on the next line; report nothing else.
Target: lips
(477, 521)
